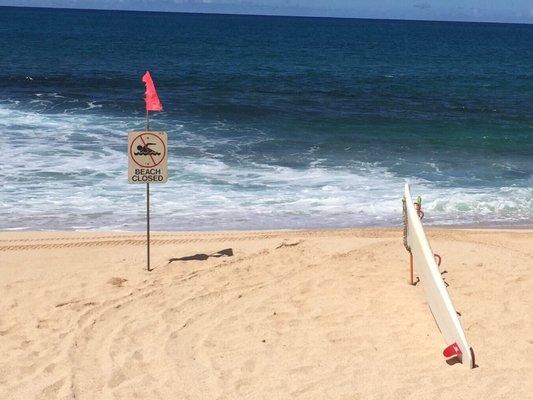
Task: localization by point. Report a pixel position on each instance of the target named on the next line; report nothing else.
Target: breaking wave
(68, 171)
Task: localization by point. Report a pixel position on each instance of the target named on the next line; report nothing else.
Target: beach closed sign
(147, 157)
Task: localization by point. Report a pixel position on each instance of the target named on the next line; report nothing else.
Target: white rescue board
(437, 295)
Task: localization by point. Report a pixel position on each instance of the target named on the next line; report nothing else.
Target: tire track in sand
(128, 241)
(165, 239)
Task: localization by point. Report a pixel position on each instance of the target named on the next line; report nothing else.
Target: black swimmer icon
(146, 150)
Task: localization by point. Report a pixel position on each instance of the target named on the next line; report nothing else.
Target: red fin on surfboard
(452, 350)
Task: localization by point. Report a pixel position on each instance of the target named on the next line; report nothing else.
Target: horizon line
(267, 15)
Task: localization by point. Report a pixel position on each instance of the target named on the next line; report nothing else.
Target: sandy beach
(322, 314)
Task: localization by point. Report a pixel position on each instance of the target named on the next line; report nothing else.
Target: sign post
(147, 208)
(148, 227)
(147, 163)
(148, 154)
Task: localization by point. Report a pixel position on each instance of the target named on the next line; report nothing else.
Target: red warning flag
(452, 350)
(151, 97)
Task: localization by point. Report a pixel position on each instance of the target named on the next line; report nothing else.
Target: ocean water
(272, 121)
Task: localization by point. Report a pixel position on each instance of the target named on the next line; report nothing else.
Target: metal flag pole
(147, 210)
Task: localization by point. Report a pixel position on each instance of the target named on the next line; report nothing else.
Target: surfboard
(438, 298)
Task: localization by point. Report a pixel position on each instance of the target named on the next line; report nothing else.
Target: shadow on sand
(203, 257)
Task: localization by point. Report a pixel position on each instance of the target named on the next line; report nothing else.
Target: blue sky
(448, 10)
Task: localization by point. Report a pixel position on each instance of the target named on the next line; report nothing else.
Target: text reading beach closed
(147, 157)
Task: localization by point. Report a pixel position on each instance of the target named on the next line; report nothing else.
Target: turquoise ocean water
(272, 121)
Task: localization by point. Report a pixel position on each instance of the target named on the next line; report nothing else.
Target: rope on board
(420, 213)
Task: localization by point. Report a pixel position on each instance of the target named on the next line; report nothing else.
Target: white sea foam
(91, 105)
(69, 172)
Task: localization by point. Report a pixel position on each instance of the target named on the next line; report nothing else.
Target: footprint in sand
(116, 281)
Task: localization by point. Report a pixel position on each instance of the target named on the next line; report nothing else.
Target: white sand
(328, 315)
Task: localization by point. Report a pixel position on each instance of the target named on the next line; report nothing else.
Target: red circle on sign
(154, 136)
